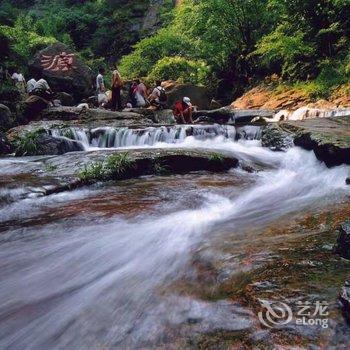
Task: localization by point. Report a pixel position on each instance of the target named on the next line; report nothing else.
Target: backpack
(162, 96)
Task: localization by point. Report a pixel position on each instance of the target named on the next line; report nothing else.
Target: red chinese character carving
(62, 62)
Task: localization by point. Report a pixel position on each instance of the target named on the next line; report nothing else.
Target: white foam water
(108, 137)
(94, 284)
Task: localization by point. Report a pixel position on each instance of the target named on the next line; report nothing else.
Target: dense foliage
(96, 29)
(227, 43)
(243, 41)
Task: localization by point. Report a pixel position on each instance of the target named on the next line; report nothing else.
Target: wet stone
(264, 285)
(344, 299)
(342, 246)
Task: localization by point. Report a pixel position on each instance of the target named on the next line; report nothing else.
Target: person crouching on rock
(43, 90)
(39, 99)
(158, 97)
(183, 111)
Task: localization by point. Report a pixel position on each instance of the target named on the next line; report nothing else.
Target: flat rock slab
(181, 160)
(61, 172)
(77, 113)
(230, 115)
(329, 138)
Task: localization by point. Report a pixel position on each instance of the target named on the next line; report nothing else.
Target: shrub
(27, 143)
(148, 51)
(25, 42)
(332, 74)
(9, 92)
(114, 167)
(160, 167)
(180, 69)
(216, 158)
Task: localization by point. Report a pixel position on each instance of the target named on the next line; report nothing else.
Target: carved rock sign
(64, 71)
(61, 62)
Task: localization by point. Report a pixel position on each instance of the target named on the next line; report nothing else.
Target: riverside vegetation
(227, 45)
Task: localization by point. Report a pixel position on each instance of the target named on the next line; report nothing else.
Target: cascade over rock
(275, 138)
(108, 137)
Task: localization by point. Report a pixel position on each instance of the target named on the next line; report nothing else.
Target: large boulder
(66, 99)
(33, 106)
(44, 144)
(273, 137)
(5, 117)
(199, 95)
(329, 138)
(63, 70)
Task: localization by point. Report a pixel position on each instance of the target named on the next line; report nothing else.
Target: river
(100, 267)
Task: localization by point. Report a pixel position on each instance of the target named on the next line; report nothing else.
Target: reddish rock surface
(266, 97)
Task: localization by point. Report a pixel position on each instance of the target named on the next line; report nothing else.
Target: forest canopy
(227, 43)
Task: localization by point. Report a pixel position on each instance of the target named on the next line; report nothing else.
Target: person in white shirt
(19, 80)
(31, 85)
(17, 77)
(100, 83)
(102, 98)
(42, 84)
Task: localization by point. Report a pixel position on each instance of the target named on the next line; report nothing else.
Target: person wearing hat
(183, 111)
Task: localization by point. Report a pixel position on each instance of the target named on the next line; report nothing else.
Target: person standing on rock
(117, 84)
(100, 88)
(183, 111)
(143, 93)
(138, 94)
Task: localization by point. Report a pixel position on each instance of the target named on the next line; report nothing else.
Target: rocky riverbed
(156, 235)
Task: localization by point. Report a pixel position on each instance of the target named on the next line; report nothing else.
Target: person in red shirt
(183, 111)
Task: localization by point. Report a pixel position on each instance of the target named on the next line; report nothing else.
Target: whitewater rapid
(80, 283)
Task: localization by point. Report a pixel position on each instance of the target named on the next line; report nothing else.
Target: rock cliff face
(151, 21)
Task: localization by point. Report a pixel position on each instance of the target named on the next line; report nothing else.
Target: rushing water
(90, 268)
(125, 137)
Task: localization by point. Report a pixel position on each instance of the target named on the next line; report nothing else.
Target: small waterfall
(249, 132)
(72, 136)
(107, 137)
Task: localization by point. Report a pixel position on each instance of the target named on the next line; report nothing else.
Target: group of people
(139, 97)
(138, 94)
(38, 86)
